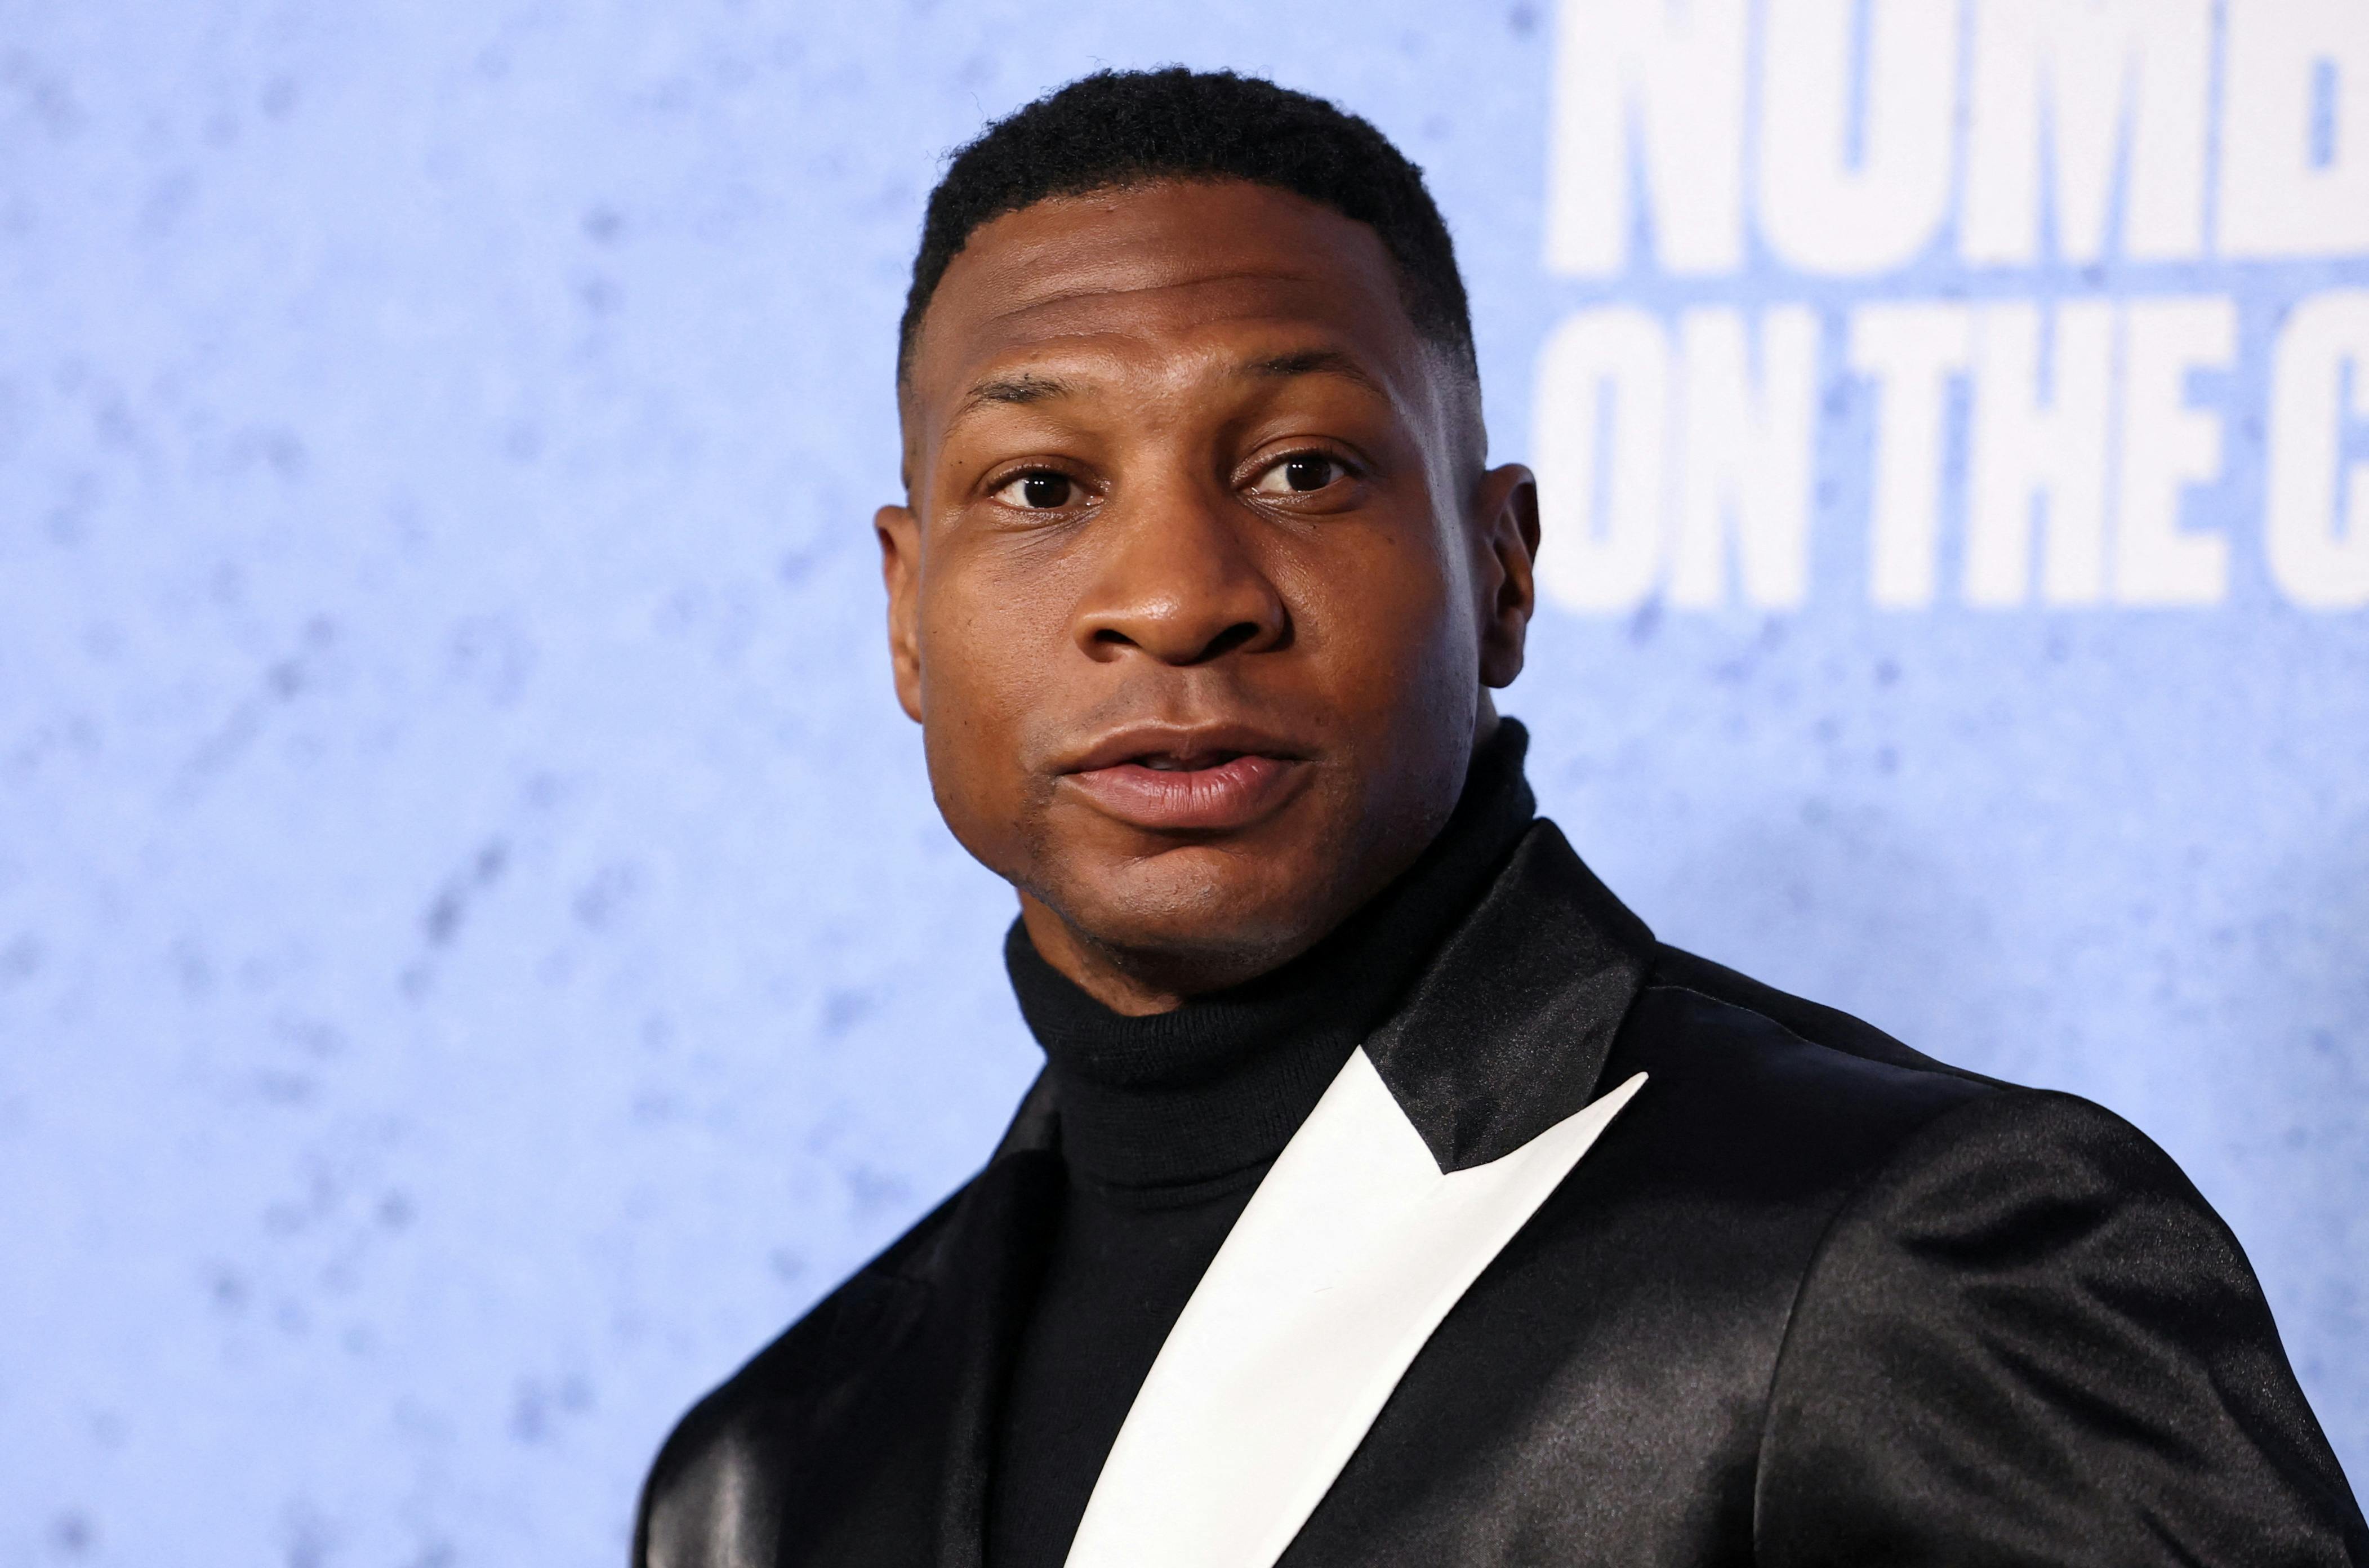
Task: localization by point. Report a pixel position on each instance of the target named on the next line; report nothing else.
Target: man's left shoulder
(1768, 1126)
(1987, 1291)
(1787, 1084)
(1755, 1093)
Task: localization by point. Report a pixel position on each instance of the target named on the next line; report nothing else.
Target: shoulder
(1716, 997)
(2024, 1296)
(773, 1441)
(1923, 1132)
(1786, 1132)
(1990, 1291)
(736, 1444)
(1747, 1085)
(1763, 1080)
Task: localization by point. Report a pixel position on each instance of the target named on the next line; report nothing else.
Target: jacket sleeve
(2029, 1340)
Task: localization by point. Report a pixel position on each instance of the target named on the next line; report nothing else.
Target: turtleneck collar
(1218, 1085)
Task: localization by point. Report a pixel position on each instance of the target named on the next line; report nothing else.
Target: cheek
(987, 649)
(1390, 625)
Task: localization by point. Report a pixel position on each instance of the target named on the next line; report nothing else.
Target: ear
(900, 570)
(1506, 521)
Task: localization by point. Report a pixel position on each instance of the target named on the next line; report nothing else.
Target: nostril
(1232, 637)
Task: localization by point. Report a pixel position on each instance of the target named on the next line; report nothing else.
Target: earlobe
(900, 534)
(1509, 539)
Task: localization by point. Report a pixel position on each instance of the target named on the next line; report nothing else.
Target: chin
(1201, 908)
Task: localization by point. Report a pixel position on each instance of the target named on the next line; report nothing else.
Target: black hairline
(1458, 350)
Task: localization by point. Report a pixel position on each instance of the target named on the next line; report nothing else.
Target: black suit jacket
(1811, 1298)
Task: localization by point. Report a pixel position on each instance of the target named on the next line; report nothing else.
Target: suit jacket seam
(1775, 1022)
(1847, 1210)
(1843, 1210)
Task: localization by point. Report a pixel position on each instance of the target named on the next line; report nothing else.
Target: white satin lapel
(1350, 1253)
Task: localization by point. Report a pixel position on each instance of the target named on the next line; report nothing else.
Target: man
(1390, 1196)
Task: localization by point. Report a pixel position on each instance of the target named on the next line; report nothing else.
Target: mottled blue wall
(476, 952)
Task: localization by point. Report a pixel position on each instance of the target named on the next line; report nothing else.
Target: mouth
(1178, 783)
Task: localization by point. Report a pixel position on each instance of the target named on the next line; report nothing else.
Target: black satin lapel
(991, 1279)
(1506, 1032)
(894, 1472)
(1035, 1125)
(986, 1282)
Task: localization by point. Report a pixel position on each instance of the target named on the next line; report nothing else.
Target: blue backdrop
(476, 952)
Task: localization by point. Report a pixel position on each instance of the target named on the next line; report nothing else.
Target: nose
(1179, 581)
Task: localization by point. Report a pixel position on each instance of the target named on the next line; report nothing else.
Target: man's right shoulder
(790, 1434)
(736, 1444)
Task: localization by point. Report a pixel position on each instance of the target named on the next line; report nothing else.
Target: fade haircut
(1132, 128)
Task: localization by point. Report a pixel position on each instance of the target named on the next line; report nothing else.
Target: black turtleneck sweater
(1167, 1124)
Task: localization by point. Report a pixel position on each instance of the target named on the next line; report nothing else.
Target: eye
(1042, 490)
(1299, 473)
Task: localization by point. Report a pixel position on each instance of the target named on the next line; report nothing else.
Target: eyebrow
(1024, 388)
(1310, 361)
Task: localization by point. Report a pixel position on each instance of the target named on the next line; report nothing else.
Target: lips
(1185, 784)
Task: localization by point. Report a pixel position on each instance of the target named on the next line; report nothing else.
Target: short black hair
(1122, 128)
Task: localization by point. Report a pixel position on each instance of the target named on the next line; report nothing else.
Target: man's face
(1200, 582)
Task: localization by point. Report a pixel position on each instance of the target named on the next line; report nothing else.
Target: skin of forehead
(1110, 272)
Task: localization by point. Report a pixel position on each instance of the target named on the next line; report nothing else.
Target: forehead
(1162, 269)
